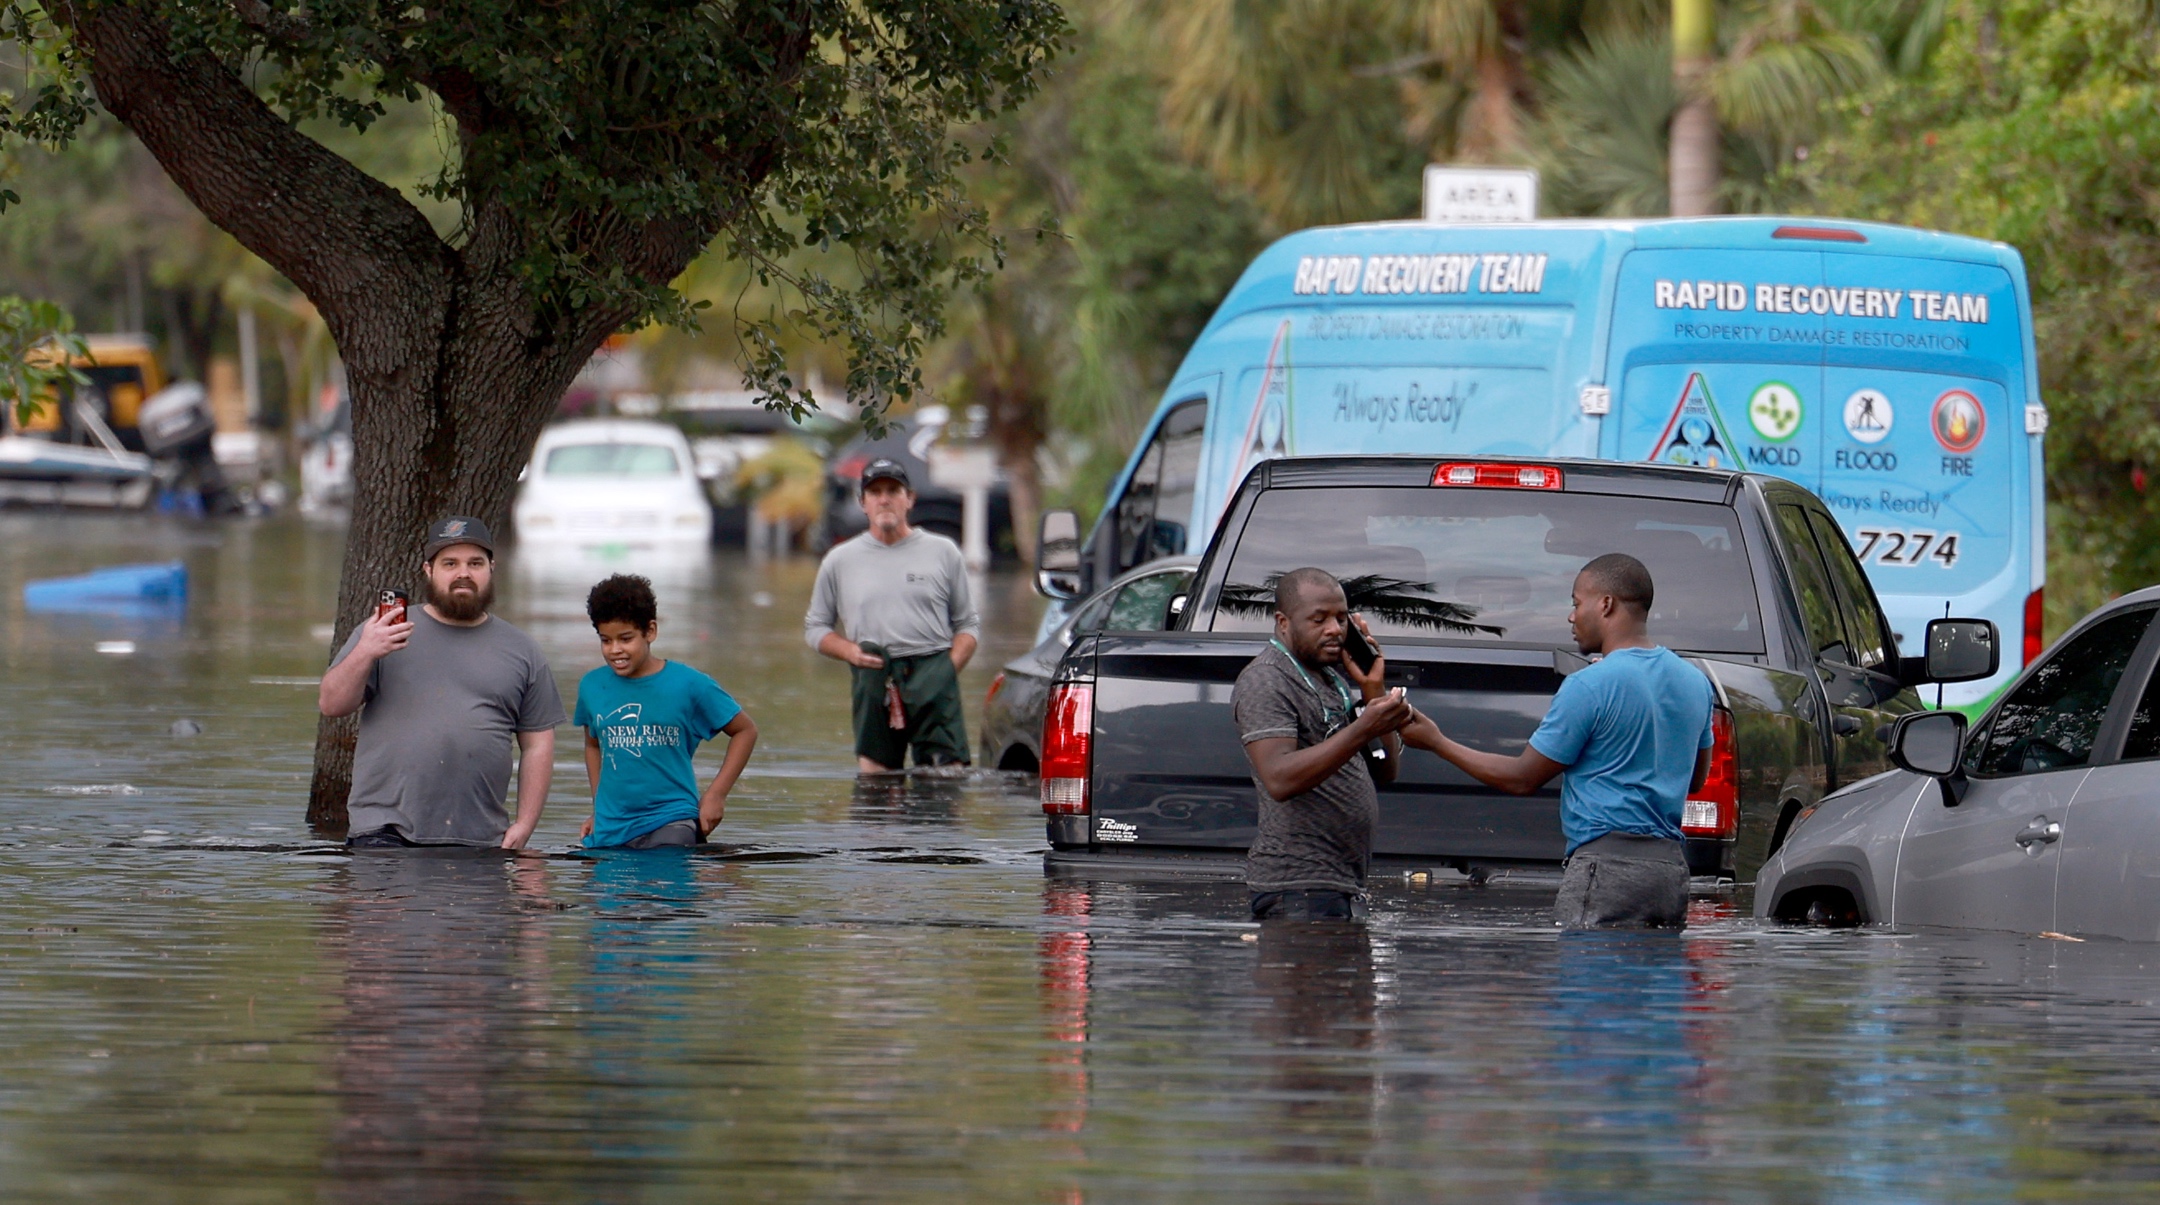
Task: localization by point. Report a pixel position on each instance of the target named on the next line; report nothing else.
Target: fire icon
(1958, 421)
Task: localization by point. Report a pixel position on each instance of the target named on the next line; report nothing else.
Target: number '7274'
(1893, 546)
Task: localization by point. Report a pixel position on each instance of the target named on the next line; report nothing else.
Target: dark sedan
(1013, 713)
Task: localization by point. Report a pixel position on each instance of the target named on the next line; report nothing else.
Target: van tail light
(2035, 616)
(1068, 734)
(996, 684)
(1714, 810)
(1499, 476)
(1821, 234)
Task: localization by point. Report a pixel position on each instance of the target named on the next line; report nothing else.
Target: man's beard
(461, 606)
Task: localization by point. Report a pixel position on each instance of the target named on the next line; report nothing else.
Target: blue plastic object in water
(116, 586)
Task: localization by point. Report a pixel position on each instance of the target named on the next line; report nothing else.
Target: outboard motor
(177, 426)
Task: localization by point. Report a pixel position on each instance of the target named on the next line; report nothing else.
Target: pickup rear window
(1494, 564)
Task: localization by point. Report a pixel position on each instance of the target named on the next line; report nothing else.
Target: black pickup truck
(1464, 568)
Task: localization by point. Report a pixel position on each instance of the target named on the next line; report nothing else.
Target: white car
(614, 483)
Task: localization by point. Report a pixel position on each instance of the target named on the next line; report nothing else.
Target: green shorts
(930, 697)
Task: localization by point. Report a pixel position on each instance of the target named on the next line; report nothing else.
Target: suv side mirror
(1057, 555)
(1958, 650)
(1928, 742)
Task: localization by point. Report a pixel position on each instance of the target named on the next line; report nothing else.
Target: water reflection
(640, 995)
(1315, 985)
(911, 798)
(443, 967)
(1625, 1075)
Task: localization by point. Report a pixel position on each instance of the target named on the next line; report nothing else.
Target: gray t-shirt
(437, 732)
(910, 597)
(1321, 840)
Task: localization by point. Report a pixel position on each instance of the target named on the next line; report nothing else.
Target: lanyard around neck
(1340, 689)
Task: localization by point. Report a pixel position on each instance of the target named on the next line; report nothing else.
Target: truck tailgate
(1169, 769)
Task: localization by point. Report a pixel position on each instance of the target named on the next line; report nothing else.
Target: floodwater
(875, 993)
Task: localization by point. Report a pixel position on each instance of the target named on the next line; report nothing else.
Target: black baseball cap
(886, 468)
(458, 529)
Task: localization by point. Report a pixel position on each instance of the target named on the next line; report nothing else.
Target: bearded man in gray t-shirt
(445, 692)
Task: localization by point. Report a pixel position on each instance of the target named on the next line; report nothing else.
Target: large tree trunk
(1693, 168)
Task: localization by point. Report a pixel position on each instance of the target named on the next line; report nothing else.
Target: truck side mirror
(1057, 555)
(1962, 650)
(1928, 742)
(1957, 650)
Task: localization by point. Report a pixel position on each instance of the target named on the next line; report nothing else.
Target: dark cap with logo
(458, 529)
(887, 469)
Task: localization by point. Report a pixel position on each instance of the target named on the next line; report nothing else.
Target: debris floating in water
(185, 727)
(116, 648)
(322, 631)
(116, 587)
(104, 788)
(761, 599)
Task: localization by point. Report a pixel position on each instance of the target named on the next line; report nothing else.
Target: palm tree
(1771, 78)
(1695, 150)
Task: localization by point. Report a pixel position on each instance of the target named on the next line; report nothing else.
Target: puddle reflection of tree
(444, 972)
(1316, 978)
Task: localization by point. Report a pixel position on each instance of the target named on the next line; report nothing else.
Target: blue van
(1889, 370)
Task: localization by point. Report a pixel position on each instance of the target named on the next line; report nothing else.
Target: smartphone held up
(390, 606)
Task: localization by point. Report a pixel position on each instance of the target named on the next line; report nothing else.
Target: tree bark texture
(1694, 170)
(1693, 162)
(1005, 374)
(452, 366)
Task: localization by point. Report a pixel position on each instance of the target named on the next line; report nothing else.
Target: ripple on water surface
(872, 991)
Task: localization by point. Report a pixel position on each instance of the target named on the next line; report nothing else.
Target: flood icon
(1868, 416)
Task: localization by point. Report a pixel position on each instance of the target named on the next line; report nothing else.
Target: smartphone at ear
(1360, 650)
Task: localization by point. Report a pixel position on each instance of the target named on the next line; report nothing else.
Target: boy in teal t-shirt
(644, 718)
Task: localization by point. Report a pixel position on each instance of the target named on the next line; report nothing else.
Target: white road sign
(1480, 194)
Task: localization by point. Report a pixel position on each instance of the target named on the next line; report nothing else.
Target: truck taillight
(1068, 733)
(1499, 476)
(996, 684)
(1714, 810)
(2035, 617)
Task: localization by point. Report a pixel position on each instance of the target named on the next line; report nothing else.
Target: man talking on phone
(1310, 739)
(1632, 732)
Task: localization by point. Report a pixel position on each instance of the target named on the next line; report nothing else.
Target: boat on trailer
(46, 472)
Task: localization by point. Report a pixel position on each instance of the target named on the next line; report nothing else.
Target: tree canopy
(2035, 123)
(599, 147)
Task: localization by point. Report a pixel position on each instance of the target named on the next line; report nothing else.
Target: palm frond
(1601, 146)
(1780, 87)
(1392, 599)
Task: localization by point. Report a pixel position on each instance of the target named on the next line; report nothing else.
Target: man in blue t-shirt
(1633, 733)
(644, 719)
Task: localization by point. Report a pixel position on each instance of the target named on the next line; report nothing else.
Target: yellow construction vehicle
(123, 371)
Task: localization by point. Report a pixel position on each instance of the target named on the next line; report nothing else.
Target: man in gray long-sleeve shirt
(902, 594)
